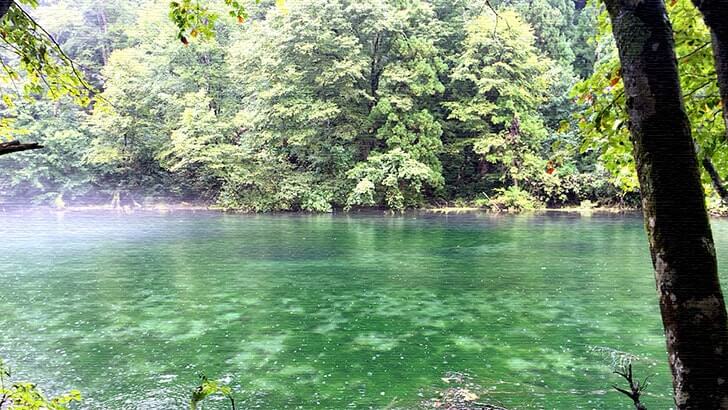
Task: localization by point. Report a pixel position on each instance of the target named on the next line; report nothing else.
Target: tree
(301, 74)
(499, 84)
(88, 31)
(338, 95)
(168, 112)
(681, 243)
(402, 160)
(715, 14)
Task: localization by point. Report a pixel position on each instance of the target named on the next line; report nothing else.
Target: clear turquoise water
(331, 311)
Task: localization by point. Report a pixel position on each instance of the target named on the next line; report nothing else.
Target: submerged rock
(464, 395)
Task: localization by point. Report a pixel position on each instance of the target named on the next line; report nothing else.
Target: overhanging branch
(16, 146)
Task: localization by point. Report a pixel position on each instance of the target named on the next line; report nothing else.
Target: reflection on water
(328, 312)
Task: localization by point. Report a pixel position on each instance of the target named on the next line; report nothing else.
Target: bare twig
(635, 387)
(698, 88)
(686, 56)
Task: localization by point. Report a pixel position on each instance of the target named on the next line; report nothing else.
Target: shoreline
(206, 207)
(579, 210)
(191, 206)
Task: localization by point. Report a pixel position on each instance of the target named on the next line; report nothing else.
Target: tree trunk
(715, 179)
(4, 6)
(720, 51)
(681, 242)
(715, 14)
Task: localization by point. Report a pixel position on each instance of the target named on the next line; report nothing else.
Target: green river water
(330, 311)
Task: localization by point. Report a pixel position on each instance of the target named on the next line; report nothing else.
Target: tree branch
(16, 146)
(635, 388)
(63, 56)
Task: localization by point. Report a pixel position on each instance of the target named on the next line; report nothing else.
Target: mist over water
(329, 311)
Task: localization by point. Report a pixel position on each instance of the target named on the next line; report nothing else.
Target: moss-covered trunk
(680, 239)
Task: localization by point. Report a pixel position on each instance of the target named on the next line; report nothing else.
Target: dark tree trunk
(376, 69)
(715, 179)
(720, 51)
(16, 146)
(4, 6)
(715, 14)
(681, 242)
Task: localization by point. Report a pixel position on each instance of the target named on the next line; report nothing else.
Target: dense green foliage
(604, 120)
(314, 105)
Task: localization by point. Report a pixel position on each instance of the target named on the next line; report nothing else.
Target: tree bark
(681, 243)
(715, 14)
(715, 179)
(720, 51)
(16, 146)
(4, 7)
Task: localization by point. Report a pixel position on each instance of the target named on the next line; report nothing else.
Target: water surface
(329, 311)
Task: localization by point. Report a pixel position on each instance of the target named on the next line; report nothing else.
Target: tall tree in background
(12, 146)
(499, 83)
(715, 14)
(681, 242)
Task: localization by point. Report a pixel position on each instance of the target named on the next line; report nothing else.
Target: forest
(323, 105)
(401, 104)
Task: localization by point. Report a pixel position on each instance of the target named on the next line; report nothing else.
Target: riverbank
(580, 210)
(205, 206)
(721, 212)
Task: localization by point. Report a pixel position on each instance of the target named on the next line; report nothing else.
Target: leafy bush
(512, 199)
(481, 202)
(27, 396)
(393, 178)
(209, 387)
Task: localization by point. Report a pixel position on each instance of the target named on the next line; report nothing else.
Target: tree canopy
(307, 105)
